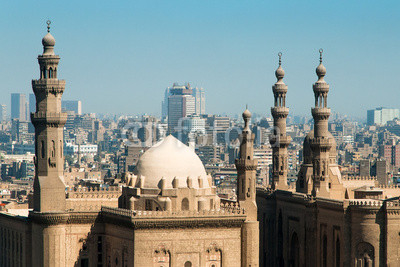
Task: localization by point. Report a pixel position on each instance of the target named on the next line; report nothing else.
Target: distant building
(72, 105)
(3, 113)
(197, 93)
(32, 103)
(83, 150)
(200, 100)
(381, 116)
(18, 107)
(181, 104)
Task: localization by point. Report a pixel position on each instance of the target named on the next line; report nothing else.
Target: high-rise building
(32, 103)
(381, 116)
(197, 93)
(18, 106)
(72, 105)
(200, 100)
(181, 103)
(3, 112)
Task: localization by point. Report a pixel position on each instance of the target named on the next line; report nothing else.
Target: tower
(321, 143)
(279, 140)
(48, 120)
(246, 167)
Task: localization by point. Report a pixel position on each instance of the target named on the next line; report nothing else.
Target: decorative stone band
(319, 113)
(168, 219)
(54, 218)
(283, 141)
(279, 112)
(49, 118)
(321, 87)
(279, 88)
(246, 164)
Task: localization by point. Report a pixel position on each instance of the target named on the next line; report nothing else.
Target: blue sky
(119, 56)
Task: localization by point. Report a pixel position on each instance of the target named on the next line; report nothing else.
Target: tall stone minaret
(279, 140)
(321, 143)
(49, 187)
(246, 167)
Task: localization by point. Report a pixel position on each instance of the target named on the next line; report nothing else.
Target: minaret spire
(246, 167)
(49, 121)
(321, 143)
(279, 140)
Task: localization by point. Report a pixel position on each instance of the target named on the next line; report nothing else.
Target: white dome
(170, 159)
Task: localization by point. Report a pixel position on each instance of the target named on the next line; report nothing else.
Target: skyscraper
(72, 105)
(3, 112)
(381, 116)
(18, 106)
(181, 103)
(197, 93)
(32, 103)
(200, 100)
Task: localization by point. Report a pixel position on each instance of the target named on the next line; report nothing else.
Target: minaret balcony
(52, 118)
(321, 87)
(320, 113)
(48, 82)
(279, 112)
(280, 88)
(323, 143)
(279, 140)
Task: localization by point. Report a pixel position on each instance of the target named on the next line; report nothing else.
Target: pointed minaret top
(321, 70)
(280, 73)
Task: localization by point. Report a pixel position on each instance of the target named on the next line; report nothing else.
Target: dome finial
(280, 73)
(280, 58)
(321, 70)
(48, 22)
(320, 54)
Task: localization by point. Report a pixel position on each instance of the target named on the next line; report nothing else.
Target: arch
(324, 251)
(365, 254)
(188, 264)
(337, 252)
(50, 73)
(53, 151)
(185, 204)
(294, 251)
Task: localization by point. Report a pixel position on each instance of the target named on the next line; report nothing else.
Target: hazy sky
(119, 56)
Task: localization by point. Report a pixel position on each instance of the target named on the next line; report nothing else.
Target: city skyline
(228, 48)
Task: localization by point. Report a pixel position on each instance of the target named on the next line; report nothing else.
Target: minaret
(279, 140)
(246, 167)
(49, 187)
(321, 143)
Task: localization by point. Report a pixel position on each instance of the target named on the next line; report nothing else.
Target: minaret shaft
(279, 140)
(321, 143)
(49, 187)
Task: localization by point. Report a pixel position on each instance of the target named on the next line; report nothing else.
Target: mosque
(168, 214)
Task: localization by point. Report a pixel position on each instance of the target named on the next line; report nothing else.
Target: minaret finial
(280, 58)
(48, 22)
(320, 54)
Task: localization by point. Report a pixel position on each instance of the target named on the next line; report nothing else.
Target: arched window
(185, 204)
(294, 251)
(53, 151)
(188, 264)
(337, 256)
(50, 73)
(324, 251)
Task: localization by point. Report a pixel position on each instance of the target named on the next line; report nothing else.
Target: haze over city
(120, 58)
